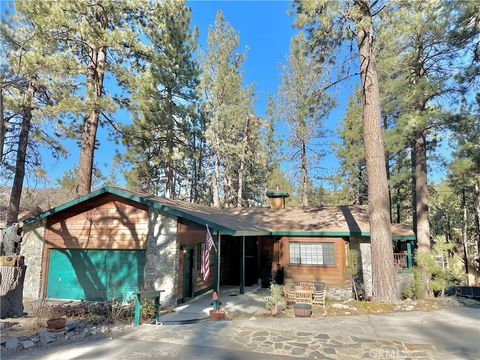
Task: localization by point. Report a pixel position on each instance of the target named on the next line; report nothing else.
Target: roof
(22, 215)
(313, 221)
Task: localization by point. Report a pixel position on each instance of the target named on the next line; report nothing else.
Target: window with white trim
(307, 253)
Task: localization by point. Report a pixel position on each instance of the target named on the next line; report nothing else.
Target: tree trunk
(304, 173)
(169, 183)
(465, 230)
(421, 210)
(17, 186)
(383, 272)
(11, 290)
(216, 181)
(387, 165)
(476, 203)
(3, 126)
(95, 75)
(241, 172)
(413, 165)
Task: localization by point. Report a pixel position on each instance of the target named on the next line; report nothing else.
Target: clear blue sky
(265, 28)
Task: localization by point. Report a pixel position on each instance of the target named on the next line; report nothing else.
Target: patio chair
(303, 296)
(289, 294)
(319, 294)
(307, 285)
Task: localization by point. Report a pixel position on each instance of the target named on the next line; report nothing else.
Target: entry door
(188, 273)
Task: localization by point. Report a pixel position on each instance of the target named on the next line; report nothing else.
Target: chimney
(277, 199)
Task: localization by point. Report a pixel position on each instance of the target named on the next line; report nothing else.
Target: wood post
(242, 268)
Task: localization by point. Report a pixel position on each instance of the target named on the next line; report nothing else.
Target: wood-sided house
(112, 242)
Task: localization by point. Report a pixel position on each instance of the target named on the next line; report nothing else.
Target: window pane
(328, 254)
(294, 253)
(312, 253)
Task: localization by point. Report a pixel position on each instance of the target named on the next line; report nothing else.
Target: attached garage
(95, 274)
(96, 250)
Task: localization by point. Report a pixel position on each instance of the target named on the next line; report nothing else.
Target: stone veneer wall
(32, 248)
(161, 266)
(362, 245)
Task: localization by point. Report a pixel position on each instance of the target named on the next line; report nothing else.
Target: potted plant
(216, 314)
(302, 310)
(56, 324)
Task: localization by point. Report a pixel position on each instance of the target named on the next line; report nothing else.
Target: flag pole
(218, 262)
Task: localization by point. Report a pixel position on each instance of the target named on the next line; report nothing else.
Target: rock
(347, 313)
(11, 344)
(71, 325)
(469, 302)
(397, 308)
(341, 306)
(36, 339)
(409, 308)
(28, 344)
(47, 337)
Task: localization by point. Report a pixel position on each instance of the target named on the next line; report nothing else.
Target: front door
(188, 274)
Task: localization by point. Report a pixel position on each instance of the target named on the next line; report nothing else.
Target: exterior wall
(362, 245)
(104, 223)
(190, 235)
(32, 249)
(332, 276)
(161, 269)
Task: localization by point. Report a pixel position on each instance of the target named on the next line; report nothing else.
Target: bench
(149, 294)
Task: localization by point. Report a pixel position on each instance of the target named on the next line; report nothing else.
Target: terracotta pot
(56, 324)
(302, 310)
(217, 315)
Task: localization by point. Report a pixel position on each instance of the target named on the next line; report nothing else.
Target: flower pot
(302, 310)
(56, 324)
(217, 315)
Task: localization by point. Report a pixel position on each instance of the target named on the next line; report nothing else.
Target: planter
(217, 315)
(56, 324)
(302, 310)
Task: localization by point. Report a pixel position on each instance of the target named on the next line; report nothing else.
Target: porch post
(409, 258)
(242, 268)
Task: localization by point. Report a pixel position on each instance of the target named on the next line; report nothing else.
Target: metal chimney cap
(277, 194)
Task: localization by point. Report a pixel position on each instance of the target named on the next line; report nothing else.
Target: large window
(312, 253)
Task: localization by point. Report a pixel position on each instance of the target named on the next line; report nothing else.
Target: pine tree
(36, 91)
(227, 104)
(161, 140)
(304, 106)
(330, 25)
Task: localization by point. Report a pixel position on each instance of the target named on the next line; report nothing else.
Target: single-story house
(114, 241)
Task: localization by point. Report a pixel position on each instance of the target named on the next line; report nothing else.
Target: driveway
(451, 333)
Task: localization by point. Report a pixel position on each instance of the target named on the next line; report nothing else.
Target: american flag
(206, 256)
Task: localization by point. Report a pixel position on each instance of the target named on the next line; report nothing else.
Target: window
(312, 253)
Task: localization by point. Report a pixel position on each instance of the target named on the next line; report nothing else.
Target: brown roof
(326, 220)
(343, 220)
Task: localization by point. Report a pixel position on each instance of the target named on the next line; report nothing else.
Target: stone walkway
(305, 344)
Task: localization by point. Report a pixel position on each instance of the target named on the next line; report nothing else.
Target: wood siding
(105, 222)
(190, 235)
(332, 276)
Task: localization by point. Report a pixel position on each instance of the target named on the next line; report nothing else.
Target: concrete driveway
(450, 333)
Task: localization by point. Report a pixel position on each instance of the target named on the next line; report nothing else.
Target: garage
(95, 275)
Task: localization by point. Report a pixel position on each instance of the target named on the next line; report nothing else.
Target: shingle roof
(326, 220)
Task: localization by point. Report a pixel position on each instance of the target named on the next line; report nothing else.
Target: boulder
(27, 344)
(11, 344)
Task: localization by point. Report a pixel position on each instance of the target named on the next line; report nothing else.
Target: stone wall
(404, 280)
(362, 245)
(161, 267)
(32, 248)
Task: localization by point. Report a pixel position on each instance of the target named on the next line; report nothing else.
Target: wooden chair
(303, 296)
(319, 294)
(289, 295)
(307, 285)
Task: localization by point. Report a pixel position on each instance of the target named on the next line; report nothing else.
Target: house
(113, 241)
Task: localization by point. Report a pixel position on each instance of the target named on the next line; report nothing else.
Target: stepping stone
(297, 351)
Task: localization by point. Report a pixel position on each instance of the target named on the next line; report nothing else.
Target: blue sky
(265, 28)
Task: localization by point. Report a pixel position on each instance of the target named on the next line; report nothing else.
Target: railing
(400, 261)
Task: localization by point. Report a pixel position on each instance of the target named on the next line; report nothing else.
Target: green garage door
(94, 274)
